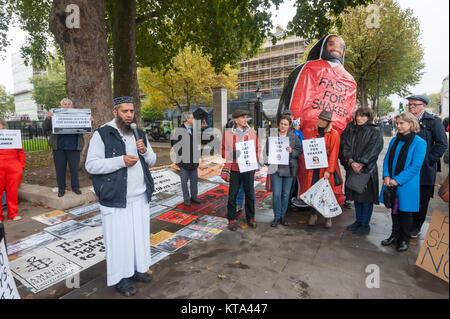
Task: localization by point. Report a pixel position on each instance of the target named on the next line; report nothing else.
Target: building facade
(25, 107)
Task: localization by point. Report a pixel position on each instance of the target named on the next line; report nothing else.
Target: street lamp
(258, 107)
(378, 89)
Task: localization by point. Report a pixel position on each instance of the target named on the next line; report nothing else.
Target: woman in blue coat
(401, 168)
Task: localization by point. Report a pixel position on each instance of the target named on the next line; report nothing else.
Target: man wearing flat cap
(119, 167)
(238, 133)
(433, 132)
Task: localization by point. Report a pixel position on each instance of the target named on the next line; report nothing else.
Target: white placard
(8, 289)
(278, 154)
(166, 181)
(85, 209)
(315, 153)
(71, 121)
(27, 244)
(157, 255)
(42, 268)
(10, 139)
(67, 229)
(247, 156)
(321, 197)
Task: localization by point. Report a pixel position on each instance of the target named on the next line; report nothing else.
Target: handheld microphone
(135, 131)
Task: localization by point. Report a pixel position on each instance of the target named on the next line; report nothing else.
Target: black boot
(402, 246)
(275, 222)
(389, 241)
(284, 222)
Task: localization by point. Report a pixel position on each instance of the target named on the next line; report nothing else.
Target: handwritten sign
(71, 121)
(166, 181)
(247, 156)
(8, 289)
(315, 153)
(278, 154)
(10, 139)
(433, 255)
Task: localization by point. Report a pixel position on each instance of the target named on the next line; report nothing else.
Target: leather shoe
(389, 241)
(77, 191)
(284, 222)
(402, 246)
(232, 226)
(142, 277)
(274, 223)
(61, 193)
(126, 288)
(195, 201)
(187, 203)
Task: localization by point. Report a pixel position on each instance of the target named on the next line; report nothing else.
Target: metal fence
(33, 137)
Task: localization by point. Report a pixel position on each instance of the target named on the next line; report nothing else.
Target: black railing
(33, 137)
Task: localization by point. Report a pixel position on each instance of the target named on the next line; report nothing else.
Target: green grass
(35, 145)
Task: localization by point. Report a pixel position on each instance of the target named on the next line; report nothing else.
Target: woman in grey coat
(362, 143)
(282, 175)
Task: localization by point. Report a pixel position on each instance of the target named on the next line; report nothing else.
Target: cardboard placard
(433, 255)
(71, 121)
(278, 155)
(315, 153)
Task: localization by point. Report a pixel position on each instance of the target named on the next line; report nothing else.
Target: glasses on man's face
(414, 104)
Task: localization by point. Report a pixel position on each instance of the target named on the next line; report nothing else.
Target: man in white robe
(124, 186)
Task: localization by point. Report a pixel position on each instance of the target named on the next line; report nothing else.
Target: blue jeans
(281, 190)
(240, 196)
(363, 212)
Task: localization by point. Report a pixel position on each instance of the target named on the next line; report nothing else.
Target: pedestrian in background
(185, 158)
(361, 145)
(12, 164)
(66, 150)
(433, 132)
(281, 176)
(401, 169)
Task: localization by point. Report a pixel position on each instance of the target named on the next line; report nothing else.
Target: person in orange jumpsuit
(12, 163)
(332, 140)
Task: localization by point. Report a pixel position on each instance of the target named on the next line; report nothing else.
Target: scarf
(408, 139)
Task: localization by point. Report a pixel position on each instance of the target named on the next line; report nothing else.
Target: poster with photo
(315, 153)
(67, 229)
(24, 245)
(278, 154)
(173, 243)
(246, 156)
(85, 209)
(52, 218)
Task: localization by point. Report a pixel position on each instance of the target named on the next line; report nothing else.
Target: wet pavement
(293, 262)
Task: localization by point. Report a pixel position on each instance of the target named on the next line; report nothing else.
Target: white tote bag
(321, 197)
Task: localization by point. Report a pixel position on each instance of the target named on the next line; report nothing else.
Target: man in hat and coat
(119, 167)
(433, 132)
(240, 132)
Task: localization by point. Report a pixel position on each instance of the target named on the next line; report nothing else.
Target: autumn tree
(189, 81)
(389, 50)
(434, 101)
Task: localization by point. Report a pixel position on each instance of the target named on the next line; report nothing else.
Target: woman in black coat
(362, 143)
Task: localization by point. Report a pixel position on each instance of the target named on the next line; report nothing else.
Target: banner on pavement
(8, 289)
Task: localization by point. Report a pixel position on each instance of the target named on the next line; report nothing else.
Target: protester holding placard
(361, 145)
(118, 160)
(401, 169)
(11, 171)
(282, 175)
(240, 148)
(66, 150)
(325, 130)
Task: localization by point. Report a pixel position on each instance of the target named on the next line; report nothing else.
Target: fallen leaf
(301, 222)
(52, 292)
(413, 242)
(29, 296)
(149, 272)
(208, 268)
(244, 226)
(237, 262)
(46, 206)
(222, 276)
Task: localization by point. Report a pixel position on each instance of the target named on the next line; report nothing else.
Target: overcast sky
(434, 23)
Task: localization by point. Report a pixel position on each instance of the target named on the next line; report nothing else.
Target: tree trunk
(124, 57)
(86, 59)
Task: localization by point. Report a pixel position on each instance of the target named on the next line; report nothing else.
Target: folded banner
(321, 197)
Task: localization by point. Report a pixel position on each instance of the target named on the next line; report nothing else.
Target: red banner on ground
(177, 218)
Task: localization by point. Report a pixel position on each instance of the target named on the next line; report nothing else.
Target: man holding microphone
(118, 160)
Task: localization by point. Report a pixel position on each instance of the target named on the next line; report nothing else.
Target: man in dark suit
(433, 132)
(183, 140)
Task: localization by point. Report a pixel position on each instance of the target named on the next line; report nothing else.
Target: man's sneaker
(353, 226)
(328, 223)
(232, 225)
(312, 220)
(126, 288)
(196, 201)
(61, 193)
(348, 204)
(415, 233)
(362, 230)
(238, 208)
(142, 277)
(251, 223)
(16, 218)
(298, 203)
(187, 203)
